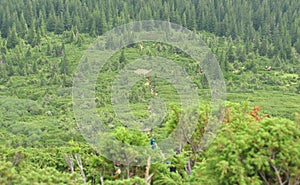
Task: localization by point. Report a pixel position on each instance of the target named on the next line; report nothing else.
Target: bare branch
(277, 172)
(147, 178)
(79, 163)
(264, 178)
(69, 160)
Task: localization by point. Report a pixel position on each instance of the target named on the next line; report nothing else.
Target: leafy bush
(252, 150)
(131, 181)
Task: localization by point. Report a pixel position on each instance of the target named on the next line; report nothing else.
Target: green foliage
(134, 180)
(22, 167)
(8, 173)
(170, 178)
(12, 39)
(42, 42)
(131, 137)
(255, 21)
(48, 176)
(249, 150)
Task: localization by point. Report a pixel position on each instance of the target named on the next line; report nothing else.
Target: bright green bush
(249, 150)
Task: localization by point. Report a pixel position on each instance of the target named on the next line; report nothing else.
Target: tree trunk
(101, 179)
(69, 160)
(128, 162)
(79, 162)
(147, 178)
(128, 171)
(188, 168)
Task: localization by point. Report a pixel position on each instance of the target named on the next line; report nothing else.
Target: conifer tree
(31, 36)
(12, 39)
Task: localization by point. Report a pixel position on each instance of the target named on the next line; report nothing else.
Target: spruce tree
(12, 39)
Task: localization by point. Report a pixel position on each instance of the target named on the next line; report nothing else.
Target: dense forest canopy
(272, 25)
(257, 45)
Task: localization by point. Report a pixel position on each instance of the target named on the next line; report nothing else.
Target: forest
(256, 44)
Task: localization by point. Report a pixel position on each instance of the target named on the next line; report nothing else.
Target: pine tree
(12, 39)
(41, 23)
(241, 54)
(49, 49)
(42, 79)
(264, 47)
(23, 26)
(67, 19)
(34, 68)
(38, 37)
(101, 23)
(59, 26)
(230, 54)
(31, 36)
(122, 58)
(3, 72)
(297, 45)
(298, 87)
(183, 20)
(5, 24)
(51, 23)
(64, 66)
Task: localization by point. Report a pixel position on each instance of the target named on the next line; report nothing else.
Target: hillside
(256, 44)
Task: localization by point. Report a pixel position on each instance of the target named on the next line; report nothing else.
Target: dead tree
(147, 176)
(69, 158)
(79, 163)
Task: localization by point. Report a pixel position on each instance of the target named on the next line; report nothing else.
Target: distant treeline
(270, 27)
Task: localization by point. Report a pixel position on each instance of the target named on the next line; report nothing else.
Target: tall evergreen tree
(31, 36)
(230, 54)
(59, 26)
(12, 39)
